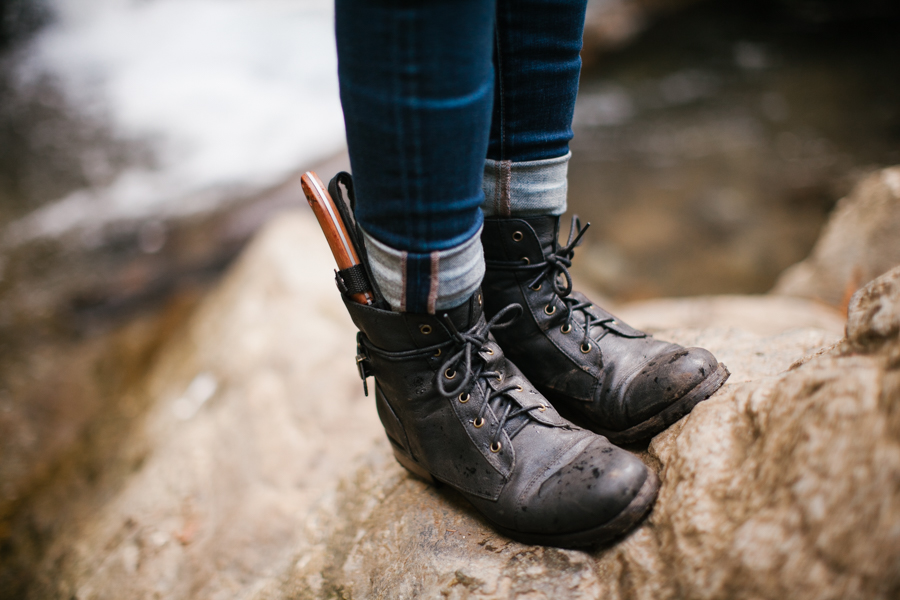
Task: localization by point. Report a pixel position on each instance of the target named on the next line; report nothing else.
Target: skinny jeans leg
(417, 92)
(424, 105)
(538, 63)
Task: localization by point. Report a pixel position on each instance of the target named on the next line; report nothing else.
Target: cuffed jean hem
(426, 282)
(525, 189)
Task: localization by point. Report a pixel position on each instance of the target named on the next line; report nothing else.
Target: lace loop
(557, 264)
(469, 343)
(555, 268)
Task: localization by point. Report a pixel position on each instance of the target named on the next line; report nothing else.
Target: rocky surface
(256, 411)
(860, 242)
(80, 323)
(762, 315)
(261, 472)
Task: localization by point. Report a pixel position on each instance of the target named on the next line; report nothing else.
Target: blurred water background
(191, 102)
(142, 143)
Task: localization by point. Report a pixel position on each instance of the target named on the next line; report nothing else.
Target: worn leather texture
(613, 377)
(547, 477)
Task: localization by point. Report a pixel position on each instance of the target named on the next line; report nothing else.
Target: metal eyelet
(478, 297)
(585, 348)
(517, 236)
(537, 287)
(527, 260)
(438, 353)
(478, 423)
(519, 388)
(425, 329)
(449, 373)
(567, 328)
(464, 397)
(549, 309)
(542, 408)
(499, 376)
(489, 351)
(495, 447)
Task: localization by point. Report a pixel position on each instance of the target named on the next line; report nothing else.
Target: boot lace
(555, 270)
(468, 344)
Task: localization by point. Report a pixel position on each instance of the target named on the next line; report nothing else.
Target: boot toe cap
(590, 491)
(673, 375)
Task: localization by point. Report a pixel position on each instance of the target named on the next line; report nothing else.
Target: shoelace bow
(556, 267)
(469, 343)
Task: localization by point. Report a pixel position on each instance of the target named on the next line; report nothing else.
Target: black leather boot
(597, 371)
(456, 410)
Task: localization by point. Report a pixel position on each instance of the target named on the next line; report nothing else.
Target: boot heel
(410, 465)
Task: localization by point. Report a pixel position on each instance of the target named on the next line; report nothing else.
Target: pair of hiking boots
(474, 397)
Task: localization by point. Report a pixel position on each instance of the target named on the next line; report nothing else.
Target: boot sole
(624, 522)
(660, 422)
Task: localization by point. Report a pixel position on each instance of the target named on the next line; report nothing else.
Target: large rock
(257, 413)
(266, 474)
(783, 485)
(860, 242)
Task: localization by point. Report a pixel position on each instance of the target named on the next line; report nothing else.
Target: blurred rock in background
(19, 19)
(612, 24)
(709, 151)
(860, 242)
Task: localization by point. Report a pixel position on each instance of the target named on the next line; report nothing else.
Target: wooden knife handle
(333, 227)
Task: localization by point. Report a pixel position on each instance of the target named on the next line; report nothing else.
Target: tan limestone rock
(267, 475)
(786, 485)
(760, 315)
(874, 317)
(257, 412)
(860, 242)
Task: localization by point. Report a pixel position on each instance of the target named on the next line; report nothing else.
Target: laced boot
(599, 372)
(457, 411)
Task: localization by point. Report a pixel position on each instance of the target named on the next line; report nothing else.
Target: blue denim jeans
(431, 90)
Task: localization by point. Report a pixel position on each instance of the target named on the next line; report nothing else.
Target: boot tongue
(467, 314)
(547, 230)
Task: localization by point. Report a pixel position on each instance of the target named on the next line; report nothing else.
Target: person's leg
(538, 63)
(599, 372)
(417, 90)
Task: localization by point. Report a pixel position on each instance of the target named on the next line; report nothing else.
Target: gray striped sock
(525, 189)
(426, 282)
